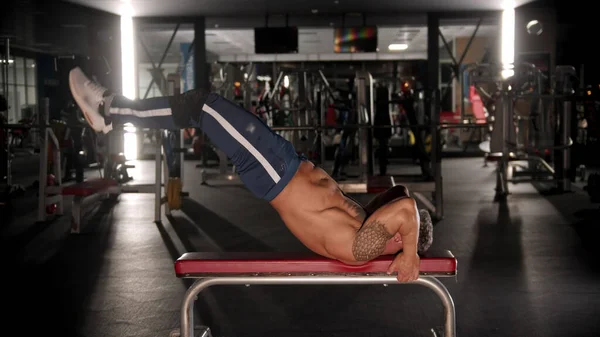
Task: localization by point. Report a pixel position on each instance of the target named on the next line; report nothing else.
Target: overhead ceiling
(241, 8)
(314, 43)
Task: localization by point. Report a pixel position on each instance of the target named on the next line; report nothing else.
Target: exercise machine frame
(48, 195)
(512, 155)
(418, 186)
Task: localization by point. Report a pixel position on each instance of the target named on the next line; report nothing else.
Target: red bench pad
(379, 184)
(88, 187)
(229, 264)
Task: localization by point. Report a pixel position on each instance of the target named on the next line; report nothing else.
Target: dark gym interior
(488, 112)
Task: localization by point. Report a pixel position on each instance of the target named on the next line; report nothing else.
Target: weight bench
(416, 185)
(380, 184)
(302, 269)
(373, 185)
(87, 191)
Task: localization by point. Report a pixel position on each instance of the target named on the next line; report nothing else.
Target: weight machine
(304, 109)
(524, 145)
(418, 185)
(52, 191)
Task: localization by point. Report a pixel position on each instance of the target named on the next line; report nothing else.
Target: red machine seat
(230, 264)
(88, 187)
(378, 184)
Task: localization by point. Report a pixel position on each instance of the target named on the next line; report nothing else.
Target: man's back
(316, 211)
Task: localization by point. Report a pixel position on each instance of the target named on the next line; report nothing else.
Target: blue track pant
(265, 161)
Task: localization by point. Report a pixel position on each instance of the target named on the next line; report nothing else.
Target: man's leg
(265, 161)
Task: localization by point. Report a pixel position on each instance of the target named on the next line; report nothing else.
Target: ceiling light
(314, 11)
(336, 2)
(534, 27)
(398, 46)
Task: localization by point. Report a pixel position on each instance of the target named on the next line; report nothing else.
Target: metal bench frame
(81, 201)
(430, 281)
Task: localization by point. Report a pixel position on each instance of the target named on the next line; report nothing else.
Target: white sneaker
(88, 95)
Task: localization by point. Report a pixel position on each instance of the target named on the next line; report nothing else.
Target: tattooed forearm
(370, 241)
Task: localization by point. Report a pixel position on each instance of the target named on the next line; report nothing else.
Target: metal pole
(362, 127)
(362, 137)
(506, 124)
(297, 114)
(321, 111)
(165, 167)
(433, 83)
(371, 105)
(566, 138)
(5, 89)
(6, 65)
(461, 82)
(43, 174)
(186, 319)
(436, 156)
(276, 85)
(181, 155)
(158, 176)
(57, 169)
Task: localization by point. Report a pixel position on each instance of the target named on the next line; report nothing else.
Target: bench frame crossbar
(430, 281)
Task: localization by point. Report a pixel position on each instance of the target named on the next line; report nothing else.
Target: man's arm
(400, 216)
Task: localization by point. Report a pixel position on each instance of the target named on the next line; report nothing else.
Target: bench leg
(76, 215)
(187, 307)
(449, 310)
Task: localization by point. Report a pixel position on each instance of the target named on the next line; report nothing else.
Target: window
(11, 72)
(31, 95)
(22, 89)
(20, 70)
(31, 71)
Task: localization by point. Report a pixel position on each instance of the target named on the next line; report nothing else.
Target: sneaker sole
(77, 99)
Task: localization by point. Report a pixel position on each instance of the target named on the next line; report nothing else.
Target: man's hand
(407, 266)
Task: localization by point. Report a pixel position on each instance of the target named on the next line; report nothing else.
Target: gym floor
(527, 267)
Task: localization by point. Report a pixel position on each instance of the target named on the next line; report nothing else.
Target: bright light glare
(127, 51)
(508, 41)
(398, 46)
(532, 23)
(130, 142)
(506, 73)
(286, 81)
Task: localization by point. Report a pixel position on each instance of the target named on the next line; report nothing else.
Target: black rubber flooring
(527, 267)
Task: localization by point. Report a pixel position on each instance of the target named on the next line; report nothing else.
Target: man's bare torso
(317, 212)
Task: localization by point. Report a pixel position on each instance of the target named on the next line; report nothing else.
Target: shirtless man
(308, 200)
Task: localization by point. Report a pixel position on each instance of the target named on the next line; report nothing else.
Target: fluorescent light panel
(398, 46)
(507, 56)
(127, 52)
